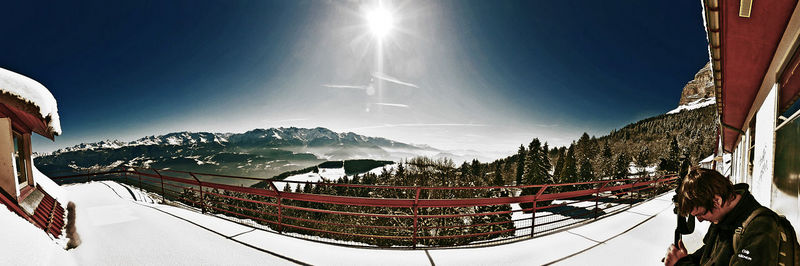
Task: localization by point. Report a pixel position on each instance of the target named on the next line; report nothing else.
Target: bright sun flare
(380, 22)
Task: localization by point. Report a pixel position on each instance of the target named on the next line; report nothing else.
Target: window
(20, 162)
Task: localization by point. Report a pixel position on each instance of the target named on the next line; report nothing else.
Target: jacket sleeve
(692, 259)
(759, 243)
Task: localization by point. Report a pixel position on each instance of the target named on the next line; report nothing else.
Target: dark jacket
(759, 243)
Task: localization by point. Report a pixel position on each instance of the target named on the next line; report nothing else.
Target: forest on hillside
(656, 141)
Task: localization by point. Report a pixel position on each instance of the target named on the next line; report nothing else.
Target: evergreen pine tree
(586, 173)
(537, 168)
(533, 163)
(606, 162)
(643, 159)
(621, 165)
(498, 176)
(569, 174)
(520, 164)
(401, 171)
(673, 157)
(559, 166)
(476, 168)
(546, 161)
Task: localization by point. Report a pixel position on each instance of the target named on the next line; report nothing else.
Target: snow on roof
(32, 92)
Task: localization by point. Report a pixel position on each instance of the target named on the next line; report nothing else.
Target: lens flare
(380, 22)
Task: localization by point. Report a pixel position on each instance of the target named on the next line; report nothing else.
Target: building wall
(739, 161)
(8, 181)
(764, 150)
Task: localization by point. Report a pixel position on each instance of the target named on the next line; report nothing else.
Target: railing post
(202, 200)
(633, 185)
(163, 199)
(533, 218)
(533, 211)
(416, 217)
(280, 205)
(596, 202)
(597, 199)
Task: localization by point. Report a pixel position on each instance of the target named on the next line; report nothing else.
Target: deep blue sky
(490, 74)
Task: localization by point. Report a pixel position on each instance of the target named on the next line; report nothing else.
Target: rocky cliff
(701, 87)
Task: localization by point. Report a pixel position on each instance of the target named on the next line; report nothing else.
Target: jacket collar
(746, 205)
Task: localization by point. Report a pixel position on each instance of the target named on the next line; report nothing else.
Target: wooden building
(26, 107)
(753, 47)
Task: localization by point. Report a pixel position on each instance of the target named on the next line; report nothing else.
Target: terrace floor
(116, 229)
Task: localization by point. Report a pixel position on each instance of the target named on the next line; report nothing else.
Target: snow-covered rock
(701, 87)
(693, 105)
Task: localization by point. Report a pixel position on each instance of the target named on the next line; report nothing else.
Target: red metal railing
(392, 216)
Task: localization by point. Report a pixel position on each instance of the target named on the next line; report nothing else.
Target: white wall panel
(764, 151)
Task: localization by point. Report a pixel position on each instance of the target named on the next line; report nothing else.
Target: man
(709, 196)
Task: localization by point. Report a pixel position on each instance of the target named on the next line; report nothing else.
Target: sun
(380, 22)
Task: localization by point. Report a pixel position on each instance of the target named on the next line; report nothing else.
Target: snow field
(25, 244)
(328, 174)
(117, 230)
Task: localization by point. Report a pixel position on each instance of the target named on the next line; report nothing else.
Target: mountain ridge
(282, 136)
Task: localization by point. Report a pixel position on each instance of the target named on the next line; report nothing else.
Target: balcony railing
(391, 216)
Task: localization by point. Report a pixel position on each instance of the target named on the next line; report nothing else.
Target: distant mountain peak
(175, 138)
(700, 88)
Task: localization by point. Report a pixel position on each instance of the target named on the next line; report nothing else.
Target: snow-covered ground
(328, 174)
(633, 169)
(25, 244)
(118, 230)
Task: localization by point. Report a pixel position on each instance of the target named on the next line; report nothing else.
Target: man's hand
(675, 254)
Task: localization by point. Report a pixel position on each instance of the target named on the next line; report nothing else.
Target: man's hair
(699, 188)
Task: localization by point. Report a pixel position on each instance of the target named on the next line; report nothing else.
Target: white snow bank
(329, 175)
(307, 177)
(25, 244)
(389, 168)
(634, 169)
(118, 231)
(47, 184)
(31, 91)
(332, 174)
(694, 105)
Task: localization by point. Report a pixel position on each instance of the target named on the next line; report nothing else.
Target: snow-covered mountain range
(273, 137)
(259, 152)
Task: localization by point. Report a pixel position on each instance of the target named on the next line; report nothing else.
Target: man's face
(713, 216)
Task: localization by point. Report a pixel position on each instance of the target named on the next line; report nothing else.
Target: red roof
(747, 48)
